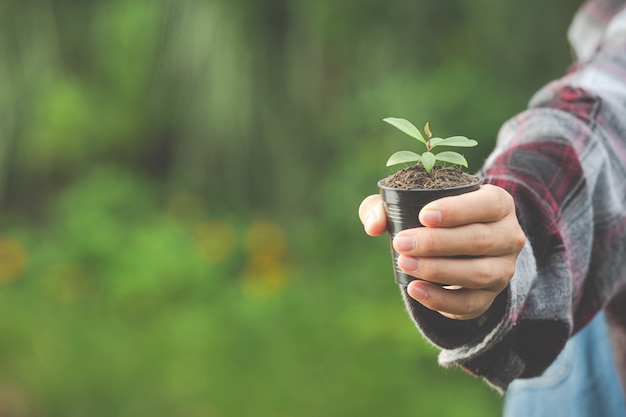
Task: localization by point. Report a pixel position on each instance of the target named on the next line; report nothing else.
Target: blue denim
(582, 382)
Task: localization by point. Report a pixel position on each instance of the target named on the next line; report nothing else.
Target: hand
(470, 242)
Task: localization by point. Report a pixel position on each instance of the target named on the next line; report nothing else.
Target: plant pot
(402, 207)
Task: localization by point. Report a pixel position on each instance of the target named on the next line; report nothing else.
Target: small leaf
(403, 157)
(428, 160)
(452, 158)
(459, 141)
(427, 131)
(407, 127)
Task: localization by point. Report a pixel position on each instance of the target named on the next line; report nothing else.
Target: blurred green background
(179, 184)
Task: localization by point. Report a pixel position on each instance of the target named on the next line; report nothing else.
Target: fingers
(471, 240)
(472, 273)
(481, 223)
(372, 215)
(458, 304)
(487, 204)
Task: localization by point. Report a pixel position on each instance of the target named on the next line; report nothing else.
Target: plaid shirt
(564, 162)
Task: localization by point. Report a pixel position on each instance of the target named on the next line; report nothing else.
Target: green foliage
(137, 303)
(428, 159)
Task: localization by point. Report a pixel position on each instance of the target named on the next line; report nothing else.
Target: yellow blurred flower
(12, 260)
(67, 282)
(263, 280)
(215, 240)
(266, 245)
(264, 239)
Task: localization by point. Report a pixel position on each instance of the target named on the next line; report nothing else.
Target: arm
(564, 164)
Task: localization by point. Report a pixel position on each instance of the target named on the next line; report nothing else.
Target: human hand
(470, 242)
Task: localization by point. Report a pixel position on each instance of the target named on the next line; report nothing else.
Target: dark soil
(416, 177)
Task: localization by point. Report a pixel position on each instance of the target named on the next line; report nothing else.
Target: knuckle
(501, 282)
(517, 241)
(426, 242)
(483, 273)
(509, 272)
(463, 305)
(467, 307)
(505, 197)
(458, 302)
(424, 271)
(502, 202)
(506, 200)
(520, 241)
(492, 274)
(481, 239)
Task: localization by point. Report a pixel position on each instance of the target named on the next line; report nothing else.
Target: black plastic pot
(403, 206)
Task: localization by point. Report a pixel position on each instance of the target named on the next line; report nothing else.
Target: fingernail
(431, 217)
(408, 263)
(417, 292)
(403, 243)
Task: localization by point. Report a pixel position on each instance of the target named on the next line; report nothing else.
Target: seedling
(428, 159)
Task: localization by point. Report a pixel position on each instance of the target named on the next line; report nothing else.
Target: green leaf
(434, 141)
(459, 141)
(403, 157)
(407, 127)
(428, 160)
(452, 158)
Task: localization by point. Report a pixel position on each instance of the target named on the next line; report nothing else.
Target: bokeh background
(179, 184)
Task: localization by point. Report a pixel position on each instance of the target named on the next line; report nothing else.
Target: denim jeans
(582, 382)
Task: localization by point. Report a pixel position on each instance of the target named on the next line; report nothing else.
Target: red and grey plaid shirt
(564, 162)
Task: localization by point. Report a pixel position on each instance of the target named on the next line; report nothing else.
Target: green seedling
(428, 159)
